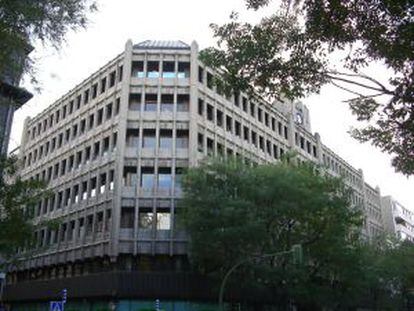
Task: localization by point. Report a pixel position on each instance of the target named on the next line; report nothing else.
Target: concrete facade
(113, 150)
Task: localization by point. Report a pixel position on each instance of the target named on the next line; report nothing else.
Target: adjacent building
(398, 220)
(12, 97)
(113, 150)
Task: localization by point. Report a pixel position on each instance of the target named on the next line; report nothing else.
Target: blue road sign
(56, 306)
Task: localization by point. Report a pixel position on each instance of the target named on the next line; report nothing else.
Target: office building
(113, 150)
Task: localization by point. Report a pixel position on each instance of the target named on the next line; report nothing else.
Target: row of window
(233, 126)
(160, 69)
(74, 229)
(75, 103)
(89, 188)
(74, 161)
(305, 145)
(214, 148)
(151, 180)
(71, 133)
(161, 138)
(147, 219)
(164, 103)
(336, 167)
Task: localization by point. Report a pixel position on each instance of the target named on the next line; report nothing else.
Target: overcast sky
(187, 20)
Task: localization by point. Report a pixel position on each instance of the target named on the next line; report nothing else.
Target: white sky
(188, 20)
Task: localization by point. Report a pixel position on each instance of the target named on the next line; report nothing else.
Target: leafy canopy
(17, 201)
(234, 212)
(287, 55)
(22, 22)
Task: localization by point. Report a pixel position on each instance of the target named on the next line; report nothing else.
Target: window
(237, 128)
(82, 126)
(246, 133)
(94, 90)
(108, 111)
(183, 70)
(120, 73)
(252, 110)
(74, 131)
(67, 197)
(87, 154)
(60, 140)
(130, 176)
(86, 97)
(103, 85)
(67, 135)
(99, 118)
(78, 101)
(105, 146)
(200, 75)
(117, 104)
(138, 69)
(219, 117)
(168, 69)
(93, 187)
(200, 142)
(178, 179)
(63, 168)
(167, 102)
(71, 163)
(210, 83)
(183, 102)
(200, 107)
(210, 112)
(150, 102)
(182, 139)
(147, 178)
(112, 79)
(127, 217)
(96, 150)
(132, 138)
(102, 183)
(149, 139)
(229, 124)
(210, 146)
(135, 102)
(165, 139)
(163, 220)
(146, 218)
(114, 141)
(164, 178)
(111, 180)
(78, 159)
(153, 69)
(260, 114)
(91, 121)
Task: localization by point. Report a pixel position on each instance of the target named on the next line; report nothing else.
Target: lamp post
(296, 250)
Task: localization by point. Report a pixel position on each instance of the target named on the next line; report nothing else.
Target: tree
(23, 21)
(234, 212)
(286, 55)
(18, 199)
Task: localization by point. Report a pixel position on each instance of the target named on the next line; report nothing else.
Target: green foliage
(17, 201)
(286, 55)
(234, 212)
(22, 22)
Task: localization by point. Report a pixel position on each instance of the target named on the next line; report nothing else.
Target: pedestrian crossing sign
(56, 306)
